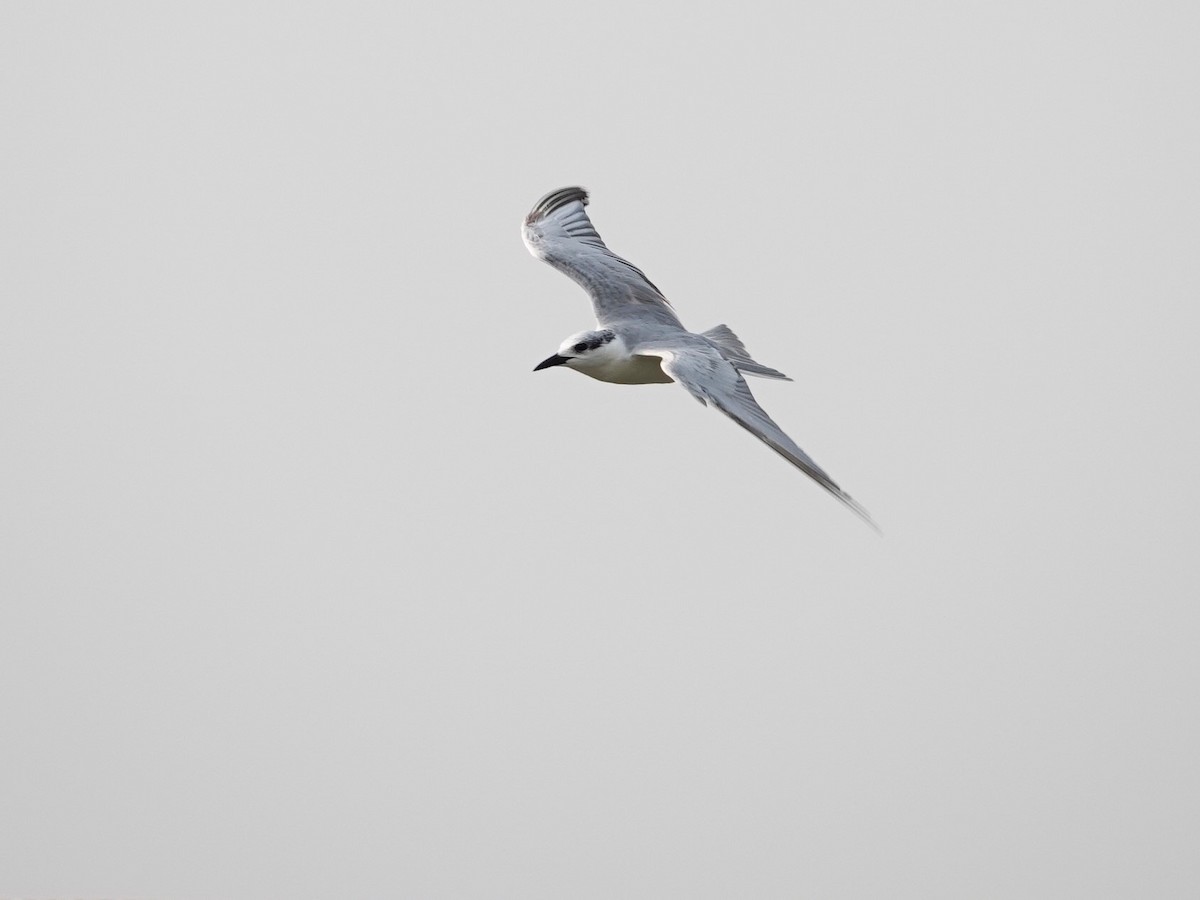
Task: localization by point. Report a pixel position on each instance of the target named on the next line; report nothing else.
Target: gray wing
(558, 231)
(711, 378)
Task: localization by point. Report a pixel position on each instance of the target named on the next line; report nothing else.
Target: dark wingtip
(555, 200)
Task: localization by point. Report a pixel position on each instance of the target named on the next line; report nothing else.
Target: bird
(638, 338)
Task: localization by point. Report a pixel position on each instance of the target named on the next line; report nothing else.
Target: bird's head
(583, 349)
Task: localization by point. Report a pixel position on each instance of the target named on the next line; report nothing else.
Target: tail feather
(734, 350)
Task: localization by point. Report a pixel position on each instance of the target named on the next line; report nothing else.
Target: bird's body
(640, 340)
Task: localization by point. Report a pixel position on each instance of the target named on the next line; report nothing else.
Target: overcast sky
(309, 587)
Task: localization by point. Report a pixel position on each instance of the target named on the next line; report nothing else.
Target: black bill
(554, 360)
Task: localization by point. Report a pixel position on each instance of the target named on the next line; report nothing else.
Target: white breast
(622, 369)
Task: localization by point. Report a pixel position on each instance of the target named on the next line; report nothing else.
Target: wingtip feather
(556, 200)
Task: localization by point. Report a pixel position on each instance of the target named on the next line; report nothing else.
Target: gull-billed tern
(640, 340)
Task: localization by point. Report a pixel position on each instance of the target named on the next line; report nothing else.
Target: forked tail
(735, 351)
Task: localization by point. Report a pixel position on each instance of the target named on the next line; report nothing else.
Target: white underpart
(612, 362)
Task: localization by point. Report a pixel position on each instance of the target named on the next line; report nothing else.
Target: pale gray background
(311, 588)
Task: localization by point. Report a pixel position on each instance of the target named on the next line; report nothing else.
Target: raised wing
(711, 378)
(559, 231)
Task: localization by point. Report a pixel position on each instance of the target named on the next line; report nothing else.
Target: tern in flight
(638, 339)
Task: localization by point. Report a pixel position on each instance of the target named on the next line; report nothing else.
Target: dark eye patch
(580, 347)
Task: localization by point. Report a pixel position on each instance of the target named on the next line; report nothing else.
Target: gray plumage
(640, 340)
(559, 232)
